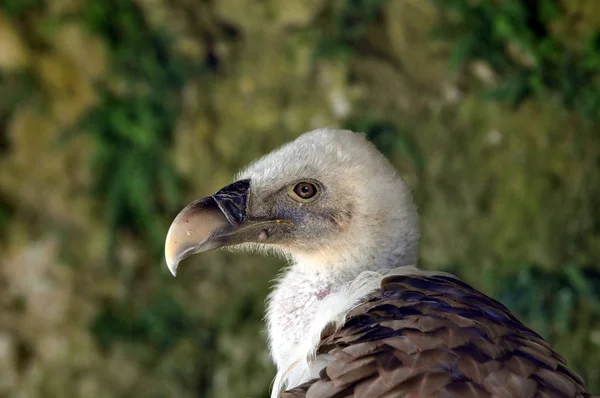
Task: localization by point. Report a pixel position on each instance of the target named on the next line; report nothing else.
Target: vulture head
(329, 202)
(327, 199)
(351, 316)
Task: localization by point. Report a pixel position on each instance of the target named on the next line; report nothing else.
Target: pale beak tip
(172, 268)
(172, 263)
(171, 255)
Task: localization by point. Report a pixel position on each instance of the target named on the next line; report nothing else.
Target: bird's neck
(307, 298)
(302, 304)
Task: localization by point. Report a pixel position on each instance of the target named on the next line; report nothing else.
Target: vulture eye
(305, 191)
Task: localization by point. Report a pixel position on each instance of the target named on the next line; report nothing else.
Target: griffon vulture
(351, 316)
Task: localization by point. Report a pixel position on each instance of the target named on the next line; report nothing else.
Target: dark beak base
(216, 221)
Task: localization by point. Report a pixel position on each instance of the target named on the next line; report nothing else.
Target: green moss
(18, 8)
(159, 324)
(133, 126)
(5, 217)
(21, 85)
(344, 25)
(517, 41)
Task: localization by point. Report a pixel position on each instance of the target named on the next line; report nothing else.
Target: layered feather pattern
(434, 336)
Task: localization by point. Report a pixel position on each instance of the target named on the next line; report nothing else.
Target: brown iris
(305, 190)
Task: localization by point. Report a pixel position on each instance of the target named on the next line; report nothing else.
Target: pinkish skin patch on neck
(323, 293)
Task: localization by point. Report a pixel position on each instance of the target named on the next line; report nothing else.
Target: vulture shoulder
(435, 336)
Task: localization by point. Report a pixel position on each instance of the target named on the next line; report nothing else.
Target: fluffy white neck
(294, 305)
(302, 298)
(303, 304)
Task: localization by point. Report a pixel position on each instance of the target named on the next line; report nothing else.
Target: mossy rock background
(114, 114)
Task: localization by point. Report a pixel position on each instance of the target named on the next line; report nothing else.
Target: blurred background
(114, 114)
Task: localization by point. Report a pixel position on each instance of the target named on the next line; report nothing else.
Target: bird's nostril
(263, 235)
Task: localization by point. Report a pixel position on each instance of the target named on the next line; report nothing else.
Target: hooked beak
(216, 221)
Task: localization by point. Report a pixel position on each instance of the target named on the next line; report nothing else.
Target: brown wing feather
(434, 336)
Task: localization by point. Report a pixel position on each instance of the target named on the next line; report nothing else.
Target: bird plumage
(351, 316)
(435, 336)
